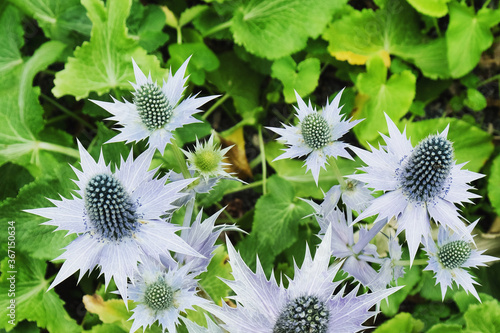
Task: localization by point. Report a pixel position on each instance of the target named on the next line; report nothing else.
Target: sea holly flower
(316, 135)
(357, 262)
(201, 236)
(156, 111)
(117, 216)
(390, 269)
(450, 258)
(307, 305)
(161, 295)
(355, 196)
(419, 183)
(207, 159)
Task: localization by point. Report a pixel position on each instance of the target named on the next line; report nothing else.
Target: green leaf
(218, 268)
(147, 22)
(11, 40)
(21, 113)
(276, 28)
(394, 29)
(32, 300)
(217, 193)
(302, 78)
(494, 185)
(475, 100)
(112, 311)
(59, 19)
(12, 178)
(104, 63)
(378, 95)
(431, 313)
(112, 152)
(277, 215)
(434, 8)
(445, 328)
(242, 84)
(468, 35)
(190, 14)
(295, 173)
(470, 143)
(402, 322)
(29, 233)
(464, 300)
(203, 60)
(484, 318)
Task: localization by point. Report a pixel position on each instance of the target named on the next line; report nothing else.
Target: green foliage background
(425, 63)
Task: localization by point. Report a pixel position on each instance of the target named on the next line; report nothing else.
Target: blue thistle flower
(419, 183)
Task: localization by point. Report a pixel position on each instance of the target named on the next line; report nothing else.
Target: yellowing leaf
(359, 59)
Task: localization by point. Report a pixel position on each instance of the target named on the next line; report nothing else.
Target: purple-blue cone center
(158, 296)
(315, 131)
(454, 254)
(153, 106)
(303, 314)
(428, 167)
(109, 208)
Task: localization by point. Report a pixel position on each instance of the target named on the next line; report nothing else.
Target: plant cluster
(187, 126)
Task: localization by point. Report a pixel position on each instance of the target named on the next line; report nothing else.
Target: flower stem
(59, 149)
(338, 174)
(181, 161)
(361, 244)
(186, 223)
(244, 187)
(415, 262)
(263, 161)
(218, 28)
(67, 111)
(215, 106)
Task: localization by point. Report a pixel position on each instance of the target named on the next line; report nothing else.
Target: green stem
(181, 161)
(67, 111)
(415, 262)
(59, 149)
(493, 78)
(56, 119)
(244, 187)
(337, 173)
(215, 106)
(179, 35)
(263, 161)
(218, 28)
(226, 213)
(256, 161)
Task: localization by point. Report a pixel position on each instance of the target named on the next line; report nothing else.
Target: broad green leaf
(12, 178)
(239, 82)
(21, 113)
(11, 40)
(431, 313)
(434, 8)
(295, 173)
(468, 35)
(464, 300)
(494, 185)
(59, 19)
(445, 328)
(147, 22)
(302, 78)
(402, 322)
(203, 60)
(276, 28)
(32, 300)
(484, 318)
(470, 143)
(392, 30)
(277, 215)
(105, 62)
(112, 311)
(218, 268)
(475, 100)
(112, 152)
(190, 14)
(29, 233)
(378, 95)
